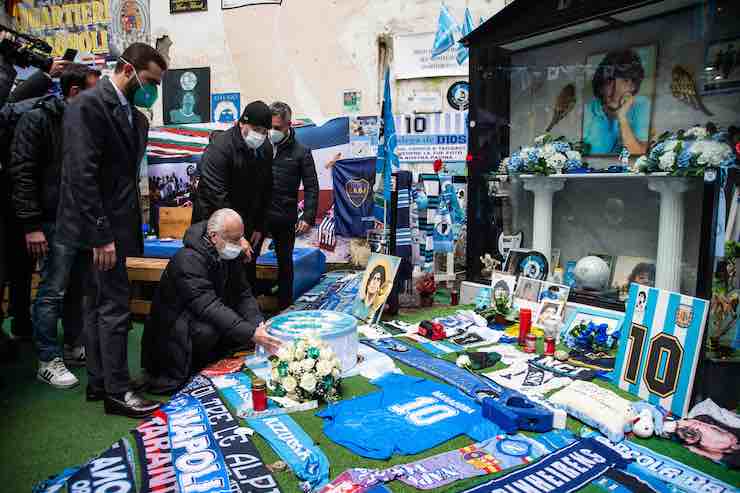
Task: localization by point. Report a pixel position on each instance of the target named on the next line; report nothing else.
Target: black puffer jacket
(233, 175)
(196, 285)
(293, 164)
(36, 163)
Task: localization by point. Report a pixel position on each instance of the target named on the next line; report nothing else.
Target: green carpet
(46, 430)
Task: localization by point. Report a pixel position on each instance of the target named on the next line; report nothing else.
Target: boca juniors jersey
(407, 416)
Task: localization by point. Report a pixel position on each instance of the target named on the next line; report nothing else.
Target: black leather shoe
(131, 405)
(92, 395)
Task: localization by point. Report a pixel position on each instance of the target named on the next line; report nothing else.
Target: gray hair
(218, 219)
(282, 110)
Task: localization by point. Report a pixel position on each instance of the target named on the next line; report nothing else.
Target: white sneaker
(56, 374)
(74, 355)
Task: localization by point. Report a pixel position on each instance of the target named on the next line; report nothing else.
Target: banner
(113, 470)
(426, 138)
(412, 58)
(226, 107)
(179, 6)
(353, 181)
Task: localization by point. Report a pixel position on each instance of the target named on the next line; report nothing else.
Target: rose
(308, 364)
(294, 367)
(289, 384)
(300, 351)
(463, 361)
(285, 353)
(556, 160)
(667, 160)
(308, 382)
(697, 132)
(562, 147)
(548, 151)
(335, 372)
(324, 368)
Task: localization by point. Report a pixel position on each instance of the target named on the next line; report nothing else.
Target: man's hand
(36, 244)
(255, 238)
(262, 338)
(58, 67)
(247, 249)
(302, 227)
(104, 257)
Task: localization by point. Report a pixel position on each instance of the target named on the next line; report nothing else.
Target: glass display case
(591, 88)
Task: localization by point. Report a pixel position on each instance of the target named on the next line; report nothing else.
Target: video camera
(25, 50)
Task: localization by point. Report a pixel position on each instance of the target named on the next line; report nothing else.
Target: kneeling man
(204, 308)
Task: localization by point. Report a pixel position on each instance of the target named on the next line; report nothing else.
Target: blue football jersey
(409, 415)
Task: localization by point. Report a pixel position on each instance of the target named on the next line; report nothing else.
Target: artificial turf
(46, 430)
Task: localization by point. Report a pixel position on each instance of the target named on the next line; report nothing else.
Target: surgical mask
(230, 251)
(146, 95)
(254, 140)
(276, 136)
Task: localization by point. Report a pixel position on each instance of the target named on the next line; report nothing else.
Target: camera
(25, 50)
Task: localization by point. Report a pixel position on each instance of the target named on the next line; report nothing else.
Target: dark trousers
(107, 319)
(284, 238)
(3, 262)
(19, 269)
(210, 344)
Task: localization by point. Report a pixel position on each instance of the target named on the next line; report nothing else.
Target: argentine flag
(387, 160)
(446, 29)
(467, 28)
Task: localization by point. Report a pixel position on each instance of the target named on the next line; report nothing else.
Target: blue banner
(226, 107)
(353, 200)
(445, 37)
(566, 470)
(467, 28)
(295, 447)
(113, 470)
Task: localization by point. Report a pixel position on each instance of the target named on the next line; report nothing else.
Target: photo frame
(376, 285)
(186, 96)
(527, 294)
(632, 269)
(603, 97)
(585, 314)
(548, 310)
(513, 258)
(721, 72)
(182, 6)
(503, 284)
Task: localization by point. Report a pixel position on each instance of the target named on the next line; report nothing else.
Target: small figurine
(489, 265)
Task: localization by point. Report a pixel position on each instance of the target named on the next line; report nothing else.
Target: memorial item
(706, 436)
(527, 294)
(596, 361)
(375, 287)
(683, 88)
(295, 447)
(659, 347)
(259, 395)
(534, 265)
(597, 407)
(530, 345)
(480, 360)
(528, 379)
(549, 346)
(186, 95)
(503, 286)
(549, 313)
(561, 355)
(431, 330)
(407, 416)
(592, 330)
(563, 105)
(308, 369)
(525, 323)
(509, 409)
(562, 368)
(353, 181)
(426, 286)
(687, 152)
(336, 330)
(548, 155)
(592, 273)
(564, 470)
(506, 243)
(223, 367)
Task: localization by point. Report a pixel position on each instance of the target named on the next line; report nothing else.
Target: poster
(722, 67)
(97, 27)
(364, 132)
(377, 282)
(180, 6)
(426, 138)
(412, 58)
(351, 101)
(232, 4)
(226, 107)
(187, 96)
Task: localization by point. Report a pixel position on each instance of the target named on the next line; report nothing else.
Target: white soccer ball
(592, 273)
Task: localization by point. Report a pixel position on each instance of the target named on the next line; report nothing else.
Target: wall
(303, 52)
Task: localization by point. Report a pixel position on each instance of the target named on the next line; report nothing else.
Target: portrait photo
(722, 66)
(502, 287)
(618, 100)
(549, 310)
(375, 288)
(705, 435)
(627, 270)
(186, 96)
(528, 290)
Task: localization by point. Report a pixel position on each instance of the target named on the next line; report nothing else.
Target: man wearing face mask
(104, 141)
(236, 173)
(203, 309)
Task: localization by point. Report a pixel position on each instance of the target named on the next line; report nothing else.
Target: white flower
(697, 132)
(641, 161)
(556, 160)
(285, 353)
(540, 139)
(300, 351)
(289, 384)
(307, 364)
(308, 382)
(463, 361)
(711, 153)
(327, 353)
(294, 367)
(335, 373)
(274, 375)
(548, 150)
(573, 155)
(324, 367)
(667, 160)
(670, 145)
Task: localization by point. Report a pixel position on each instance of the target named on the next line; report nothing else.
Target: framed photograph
(527, 294)
(584, 315)
(549, 310)
(621, 81)
(513, 258)
(722, 66)
(503, 285)
(186, 96)
(180, 6)
(551, 291)
(627, 270)
(375, 288)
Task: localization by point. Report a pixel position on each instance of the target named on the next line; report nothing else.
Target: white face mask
(254, 140)
(230, 251)
(276, 136)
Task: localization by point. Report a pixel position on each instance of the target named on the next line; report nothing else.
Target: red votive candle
(549, 346)
(259, 395)
(525, 323)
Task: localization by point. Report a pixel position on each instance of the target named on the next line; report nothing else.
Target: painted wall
(303, 52)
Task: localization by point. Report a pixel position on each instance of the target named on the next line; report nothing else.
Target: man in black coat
(292, 164)
(35, 173)
(236, 173)
(99, 212)
(203, 308)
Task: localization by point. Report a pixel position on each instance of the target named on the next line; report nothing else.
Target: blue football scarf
(55, 483)
(353, 181)
(651, 465)
(295, 447)
(618, 481)
(564, 471)
(443, 239)
(113, 470)
(403, 215)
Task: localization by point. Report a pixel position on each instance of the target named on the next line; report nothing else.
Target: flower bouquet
(306, 370)
(687, 152)
(590, 337)
(426, 288)
(547, 156)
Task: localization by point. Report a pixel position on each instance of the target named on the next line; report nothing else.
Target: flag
(467, 28)
(387, 160)
(445, 37)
